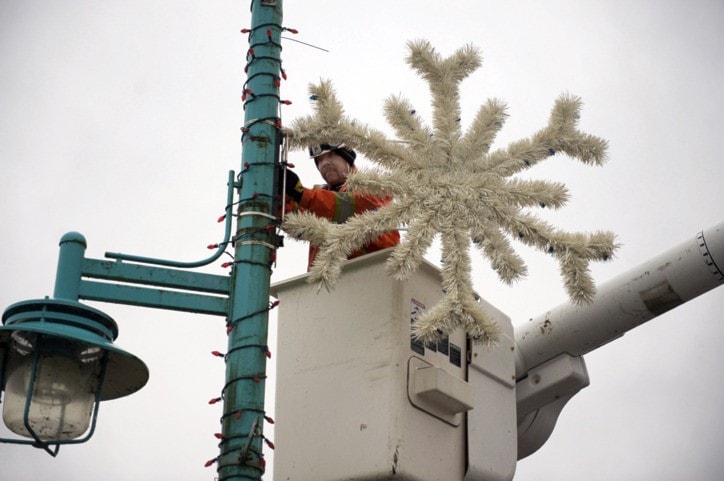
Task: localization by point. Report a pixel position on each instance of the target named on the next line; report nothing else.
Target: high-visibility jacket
(338, 206)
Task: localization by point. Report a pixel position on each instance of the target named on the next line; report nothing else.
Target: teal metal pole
(244, 416)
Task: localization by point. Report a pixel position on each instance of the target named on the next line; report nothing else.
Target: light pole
(47, 346)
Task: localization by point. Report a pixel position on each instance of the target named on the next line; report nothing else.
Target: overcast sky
(120, 119)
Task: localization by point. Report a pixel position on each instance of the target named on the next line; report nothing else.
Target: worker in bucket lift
(331, 200)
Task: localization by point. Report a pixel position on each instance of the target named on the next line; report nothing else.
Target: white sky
(120, 119)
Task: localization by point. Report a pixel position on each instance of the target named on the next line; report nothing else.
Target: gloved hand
(293, 186)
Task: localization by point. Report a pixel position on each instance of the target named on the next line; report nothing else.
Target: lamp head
(57, 360)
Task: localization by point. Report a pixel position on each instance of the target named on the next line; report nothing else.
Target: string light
(233, 323)
(275, 122)
(258, 36)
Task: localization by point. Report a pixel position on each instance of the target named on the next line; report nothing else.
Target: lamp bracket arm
(188, 265)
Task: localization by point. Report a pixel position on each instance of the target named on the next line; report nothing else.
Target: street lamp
(58, 363)
(57, 357)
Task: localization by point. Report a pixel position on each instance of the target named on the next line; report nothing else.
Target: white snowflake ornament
(449, 183)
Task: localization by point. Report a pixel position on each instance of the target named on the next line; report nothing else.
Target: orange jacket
(340, 206)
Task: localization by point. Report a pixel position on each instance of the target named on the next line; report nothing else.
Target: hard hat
(340, 149)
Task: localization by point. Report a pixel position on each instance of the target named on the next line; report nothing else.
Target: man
(331, 200)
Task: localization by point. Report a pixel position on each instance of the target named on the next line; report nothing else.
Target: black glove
(294, 186)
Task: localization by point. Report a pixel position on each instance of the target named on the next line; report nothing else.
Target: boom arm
(549, 366)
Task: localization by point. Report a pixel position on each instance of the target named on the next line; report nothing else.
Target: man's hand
(293, 185)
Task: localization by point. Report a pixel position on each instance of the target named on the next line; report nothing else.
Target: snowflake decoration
(449, 183)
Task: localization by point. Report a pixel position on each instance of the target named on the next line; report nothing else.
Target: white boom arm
(549, 366)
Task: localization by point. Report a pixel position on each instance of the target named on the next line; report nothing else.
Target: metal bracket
(253, 433)
(170, 263)
(541, 397)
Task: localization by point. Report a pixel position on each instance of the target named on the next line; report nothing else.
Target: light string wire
(249, 456)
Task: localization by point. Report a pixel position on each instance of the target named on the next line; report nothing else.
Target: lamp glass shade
(63, 391)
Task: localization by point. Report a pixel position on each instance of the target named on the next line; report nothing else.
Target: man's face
(333, 167)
